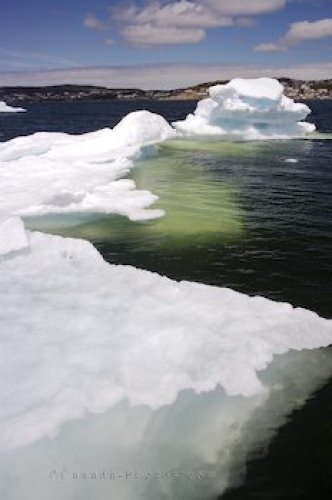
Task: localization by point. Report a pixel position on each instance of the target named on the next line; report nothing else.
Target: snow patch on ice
(13, 236)
(247, 109)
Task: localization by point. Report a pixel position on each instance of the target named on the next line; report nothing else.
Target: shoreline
(294, 89)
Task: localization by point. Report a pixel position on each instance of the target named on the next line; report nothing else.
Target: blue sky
(173, 41)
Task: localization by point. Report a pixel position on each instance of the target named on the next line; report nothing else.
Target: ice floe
(4, 108)
(79, 335)
(247, 109)
(61, 173)
(291, 160)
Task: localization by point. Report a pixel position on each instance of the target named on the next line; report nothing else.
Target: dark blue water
(80, 117)
(252, 222)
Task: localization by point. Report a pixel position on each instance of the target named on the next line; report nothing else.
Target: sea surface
(256, 217)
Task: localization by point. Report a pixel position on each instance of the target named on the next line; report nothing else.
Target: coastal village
(295, 89)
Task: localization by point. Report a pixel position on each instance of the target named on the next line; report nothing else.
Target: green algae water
(197, 206)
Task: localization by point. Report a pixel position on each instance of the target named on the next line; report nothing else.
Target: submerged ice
(123, 359)
(250, 109)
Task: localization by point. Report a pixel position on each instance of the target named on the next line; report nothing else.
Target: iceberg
(4, 108)
(247, 110)
(60, 173)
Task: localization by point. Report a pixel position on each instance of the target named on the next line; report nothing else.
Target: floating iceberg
(250, 109)
(80, 335)
(4, 108)
(62, 173)
(158, 377)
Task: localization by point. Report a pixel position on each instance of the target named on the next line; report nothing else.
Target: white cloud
(109, 41)
(165, 76)
(148, 35)
(91, 22)
(245, 21)
(270, 47)
(182, 14)
(181, 21)
(244, 7)
(299, 32)
(22, 59)
(309, 31)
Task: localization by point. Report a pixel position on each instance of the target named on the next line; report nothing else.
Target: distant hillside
(297, 89)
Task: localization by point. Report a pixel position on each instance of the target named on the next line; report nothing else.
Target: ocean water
(237, 215)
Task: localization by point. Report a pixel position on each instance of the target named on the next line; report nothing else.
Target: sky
(162, 44)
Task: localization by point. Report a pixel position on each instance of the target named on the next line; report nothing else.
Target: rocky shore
(296, 89)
